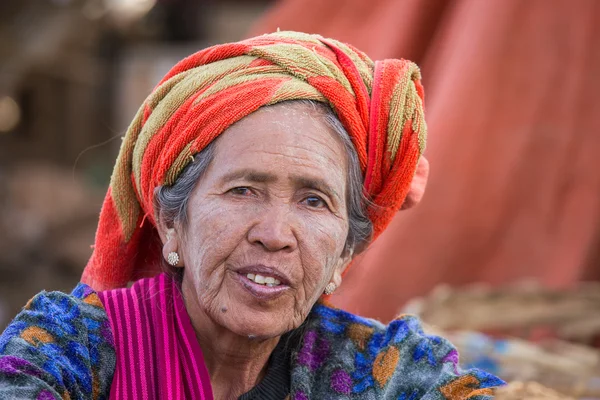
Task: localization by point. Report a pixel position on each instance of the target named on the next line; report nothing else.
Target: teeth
(264, 280)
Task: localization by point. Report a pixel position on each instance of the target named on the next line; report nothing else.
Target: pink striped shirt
(158, 355)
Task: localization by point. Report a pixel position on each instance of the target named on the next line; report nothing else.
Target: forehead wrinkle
(300, 159)
(333, 157)
(333, 154)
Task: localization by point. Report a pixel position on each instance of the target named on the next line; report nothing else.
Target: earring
(173, 258)
(330, 288)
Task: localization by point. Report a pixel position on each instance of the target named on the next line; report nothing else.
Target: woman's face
(267, 222)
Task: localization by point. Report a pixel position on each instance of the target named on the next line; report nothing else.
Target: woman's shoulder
(50, 317)
(367, 358)
(59, 343)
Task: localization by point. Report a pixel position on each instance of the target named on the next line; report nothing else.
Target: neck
(235, 363)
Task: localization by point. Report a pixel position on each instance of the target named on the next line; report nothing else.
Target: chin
(257, 329)
(258, 324)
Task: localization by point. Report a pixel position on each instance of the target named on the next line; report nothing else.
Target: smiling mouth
(261, 286)
(264, 280)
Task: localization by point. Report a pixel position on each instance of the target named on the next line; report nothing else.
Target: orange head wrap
(379, 103)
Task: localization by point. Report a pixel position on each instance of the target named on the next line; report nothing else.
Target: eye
(314, 202)
(241, 191)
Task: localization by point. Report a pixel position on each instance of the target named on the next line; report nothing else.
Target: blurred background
(72, 75)
(507, 239)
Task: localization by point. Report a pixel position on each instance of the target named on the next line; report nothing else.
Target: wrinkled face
(267, 222)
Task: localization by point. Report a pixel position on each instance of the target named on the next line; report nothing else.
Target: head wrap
(379, 103)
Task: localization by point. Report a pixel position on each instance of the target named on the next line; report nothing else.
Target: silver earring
(173, 258)
(330, 288)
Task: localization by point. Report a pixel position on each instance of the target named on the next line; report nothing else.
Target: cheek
(321, 248)
(327, 234)
(213, 234)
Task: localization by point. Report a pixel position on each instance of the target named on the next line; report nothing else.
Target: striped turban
(379, 103)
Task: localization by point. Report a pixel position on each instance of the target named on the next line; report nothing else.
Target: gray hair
(170, 202)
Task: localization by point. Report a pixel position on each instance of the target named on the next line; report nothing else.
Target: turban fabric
(379, 103)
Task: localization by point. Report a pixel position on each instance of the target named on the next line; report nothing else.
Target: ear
(340, 268)
(168, 236)
(418, 184)
(171, 244)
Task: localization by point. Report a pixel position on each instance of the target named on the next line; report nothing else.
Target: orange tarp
(513, 106)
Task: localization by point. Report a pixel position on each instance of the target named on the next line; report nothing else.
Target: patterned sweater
(62, 347)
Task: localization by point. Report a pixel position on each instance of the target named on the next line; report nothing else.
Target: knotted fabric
(379, 103)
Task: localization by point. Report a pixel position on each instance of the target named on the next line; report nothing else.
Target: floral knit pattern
(61, 347)
(344, 356)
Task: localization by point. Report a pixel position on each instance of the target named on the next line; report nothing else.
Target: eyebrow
(251, 175)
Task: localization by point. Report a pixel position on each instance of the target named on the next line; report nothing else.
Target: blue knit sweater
(60, 347)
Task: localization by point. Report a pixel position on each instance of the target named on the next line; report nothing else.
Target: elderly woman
(251, 177)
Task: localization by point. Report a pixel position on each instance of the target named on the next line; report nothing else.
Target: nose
(274, 230)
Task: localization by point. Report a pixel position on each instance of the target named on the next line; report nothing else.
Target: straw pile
(528, 391)
(524, 310)
(523, 333)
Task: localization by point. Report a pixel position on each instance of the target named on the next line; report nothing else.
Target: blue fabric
(61, 345)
